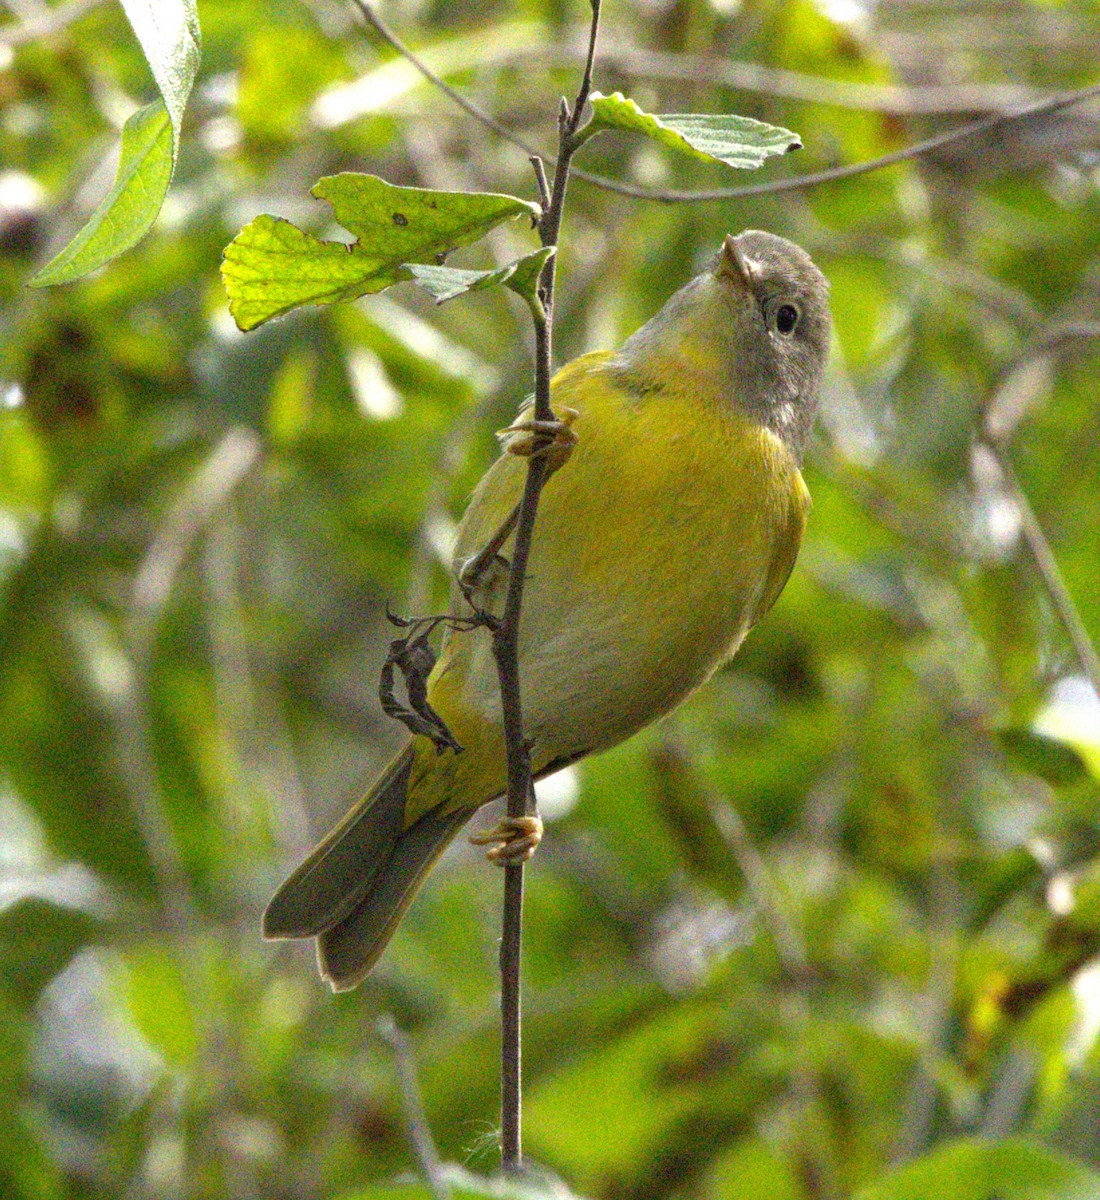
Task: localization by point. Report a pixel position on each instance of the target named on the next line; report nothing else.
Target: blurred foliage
(840, 913)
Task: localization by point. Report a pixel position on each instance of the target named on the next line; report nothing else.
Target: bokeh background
(839, 913)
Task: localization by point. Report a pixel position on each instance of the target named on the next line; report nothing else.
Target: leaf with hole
(272, 267)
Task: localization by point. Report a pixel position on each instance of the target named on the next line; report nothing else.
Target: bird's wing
(788, 542)
(501, 487)
(496, 495)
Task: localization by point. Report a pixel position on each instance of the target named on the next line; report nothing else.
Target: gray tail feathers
(356, 885)
(349, 949)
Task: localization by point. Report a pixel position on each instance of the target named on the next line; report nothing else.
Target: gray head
(763, 307)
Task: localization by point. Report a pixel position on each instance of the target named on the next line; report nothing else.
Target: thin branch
(46, 23)
(506, 636)
(1049, 572)
(1042, 107)
(893, 99)
(799, 182)
(420, 1133)
(996, 428)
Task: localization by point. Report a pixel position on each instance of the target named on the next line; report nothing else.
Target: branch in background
(1038, 108)
(789, 944)
(420, 1133)
(1049, 572)
(918, 1110)
(999, 418)
(208, 489)
(975, 128)
(818, 1165)
(894, 99)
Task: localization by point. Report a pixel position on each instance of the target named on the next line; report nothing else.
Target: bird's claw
(553, 440)
(511, 841)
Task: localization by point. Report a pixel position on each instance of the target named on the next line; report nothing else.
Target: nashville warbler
(667, 529)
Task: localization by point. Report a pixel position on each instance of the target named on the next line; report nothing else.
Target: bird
(670, 520)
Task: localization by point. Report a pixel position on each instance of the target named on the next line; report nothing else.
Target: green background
(841, 912)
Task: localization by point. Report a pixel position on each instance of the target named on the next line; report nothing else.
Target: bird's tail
(356, 885)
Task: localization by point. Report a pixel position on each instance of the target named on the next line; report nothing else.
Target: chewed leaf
(127, 212)
(271, 266)
(716, 137)
(445, 283)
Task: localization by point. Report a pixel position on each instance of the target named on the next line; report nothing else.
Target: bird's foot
(511, 841)
(553, 440)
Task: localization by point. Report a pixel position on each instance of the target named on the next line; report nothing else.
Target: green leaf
(444, 283)
(271, 266)
(1050, 759)
(977, 1170)
(719, 137)
(127, 212)
(37, 939)
(157, 999)
(168, 31)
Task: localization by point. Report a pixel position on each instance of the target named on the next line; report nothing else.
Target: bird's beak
(733, 266)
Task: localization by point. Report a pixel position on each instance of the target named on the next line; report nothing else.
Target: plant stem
(1060, 597)
(1026, 112)
(521, 797)
(420, 1133)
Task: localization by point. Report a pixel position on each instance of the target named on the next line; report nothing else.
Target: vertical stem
(520, 788)
(521, 796)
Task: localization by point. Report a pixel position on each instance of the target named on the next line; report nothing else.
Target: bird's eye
(786, 319)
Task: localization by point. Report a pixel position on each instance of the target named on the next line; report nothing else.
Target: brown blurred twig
(420, 1133)
(997, 426)
(506, 636)
(1037, 108)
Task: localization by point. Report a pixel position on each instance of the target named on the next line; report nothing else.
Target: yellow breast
(666, 535)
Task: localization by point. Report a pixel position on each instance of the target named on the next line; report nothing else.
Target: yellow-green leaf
(716, 137)
(127, 212)
(445, 283)
(271, 266)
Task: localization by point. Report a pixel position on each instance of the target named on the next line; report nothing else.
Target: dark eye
(786, 318)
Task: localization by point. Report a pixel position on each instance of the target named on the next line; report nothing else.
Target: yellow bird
(667, 534)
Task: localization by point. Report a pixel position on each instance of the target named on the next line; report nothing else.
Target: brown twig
(994, 435)
(420, 1133)
(506, 636)
(1042, 107)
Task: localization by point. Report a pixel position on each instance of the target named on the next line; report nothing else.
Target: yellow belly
(664, 537)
